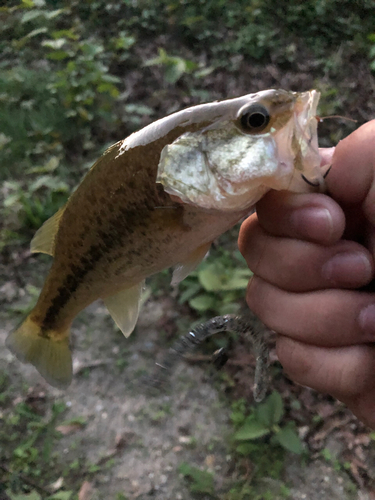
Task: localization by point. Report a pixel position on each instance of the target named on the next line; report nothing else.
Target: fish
(158, 199)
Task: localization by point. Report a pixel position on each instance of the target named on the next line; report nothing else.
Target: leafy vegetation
(77, 76)
(201, 482)
(218, 285)
(27, 435)
(30, 427)
(264, 421)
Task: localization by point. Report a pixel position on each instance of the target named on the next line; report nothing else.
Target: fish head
(245, 147)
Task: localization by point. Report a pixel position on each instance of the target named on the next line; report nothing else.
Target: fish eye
(255, 119)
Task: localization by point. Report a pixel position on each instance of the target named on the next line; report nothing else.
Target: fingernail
(366, 320)
(348, 268)
(313, 222)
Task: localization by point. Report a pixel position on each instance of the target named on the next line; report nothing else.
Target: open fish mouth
(305, 142)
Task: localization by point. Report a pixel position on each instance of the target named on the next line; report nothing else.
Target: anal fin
(124, 307)
(185, 267)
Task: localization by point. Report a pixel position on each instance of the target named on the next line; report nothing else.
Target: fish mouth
(305, 139)
(306, 127)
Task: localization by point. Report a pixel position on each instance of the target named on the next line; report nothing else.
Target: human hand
(310, 253)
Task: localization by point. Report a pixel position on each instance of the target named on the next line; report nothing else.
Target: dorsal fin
(44, 238)
(184, 268)
(124, 307)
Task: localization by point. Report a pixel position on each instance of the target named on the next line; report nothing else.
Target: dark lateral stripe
(113, 237)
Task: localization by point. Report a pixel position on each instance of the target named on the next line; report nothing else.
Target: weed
(201, 482)
(217, 285)
(264, 421)
(157, 412)
(262, 438)
(121, 496)
(174, 67)
(27, 440)
(334, 461)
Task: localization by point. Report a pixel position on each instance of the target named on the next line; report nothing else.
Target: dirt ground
(148, 437)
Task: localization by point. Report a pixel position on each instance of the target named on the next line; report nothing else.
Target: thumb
(351, 180)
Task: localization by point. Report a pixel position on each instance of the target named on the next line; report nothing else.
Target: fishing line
(322, 118)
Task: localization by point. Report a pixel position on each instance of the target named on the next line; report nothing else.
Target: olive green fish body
(158, 199)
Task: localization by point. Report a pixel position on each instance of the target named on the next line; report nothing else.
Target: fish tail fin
(47, 351)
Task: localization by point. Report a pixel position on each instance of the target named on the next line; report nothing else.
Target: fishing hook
(328, 171)
(310, 183)
(316, 184)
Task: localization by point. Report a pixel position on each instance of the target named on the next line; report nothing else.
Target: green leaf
(230, 308)
(210, 278)
(35, 32)
(216, 277)
(27, 3)
(65, 34)
(245, 448)
(238, 280)
(271, 411)
(124, 42)
(54, 13)
(52, 183)
(202, 302)
(108, 88)
(11, 199)
(202, 481)
(139, 109)
(190, 291)
(50, 166)
(173, 72)
(252, 429)
(54, 44)
(289, 439)
(30, 15)
(58, 55)
(110, 78)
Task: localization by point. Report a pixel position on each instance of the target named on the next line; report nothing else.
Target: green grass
(29, 462)
(28, 433)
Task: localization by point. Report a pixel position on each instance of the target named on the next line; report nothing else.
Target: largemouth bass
(158, 199)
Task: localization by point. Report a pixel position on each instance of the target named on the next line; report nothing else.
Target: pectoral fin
(44, 238)
(124, 307)
(184, 268)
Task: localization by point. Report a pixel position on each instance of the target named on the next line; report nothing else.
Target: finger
(351, 179)
(313, 217)
(326, 155)
(282, 262)
(346, 373)
(327, 318)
